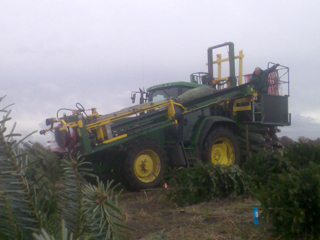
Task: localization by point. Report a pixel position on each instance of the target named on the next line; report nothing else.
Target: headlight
(50, 121)
(62, 138)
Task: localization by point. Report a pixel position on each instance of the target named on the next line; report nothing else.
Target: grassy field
(154, 217)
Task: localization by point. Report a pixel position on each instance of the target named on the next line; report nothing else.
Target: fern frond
(70, 207)
(65, 235)
(7, 225)
(20, 141)
(18, 216)
(41, 167)
(4, 109)
(102, 211)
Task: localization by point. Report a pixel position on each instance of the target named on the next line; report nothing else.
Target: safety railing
(277, 80)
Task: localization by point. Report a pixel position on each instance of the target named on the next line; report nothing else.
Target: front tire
(221, 147)
(143, 165)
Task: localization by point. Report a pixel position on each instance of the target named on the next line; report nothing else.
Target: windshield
(163, 94)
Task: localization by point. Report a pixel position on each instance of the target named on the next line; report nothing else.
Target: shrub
(291, 202)
(301, 154)
(289, 189)
(205, 182)
(261, 167)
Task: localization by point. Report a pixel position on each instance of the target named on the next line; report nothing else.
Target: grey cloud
(54, 54)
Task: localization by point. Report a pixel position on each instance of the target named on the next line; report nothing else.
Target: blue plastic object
(255, 216)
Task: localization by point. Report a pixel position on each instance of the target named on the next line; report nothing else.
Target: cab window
(163, 94)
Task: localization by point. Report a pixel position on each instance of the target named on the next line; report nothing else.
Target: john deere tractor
(211, 118)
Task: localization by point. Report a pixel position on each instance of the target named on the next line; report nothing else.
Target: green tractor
(211, 118)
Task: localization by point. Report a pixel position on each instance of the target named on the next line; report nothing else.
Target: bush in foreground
(261, 167)
(301, 154)
(289, 190)
(291, 202)
(205, 182)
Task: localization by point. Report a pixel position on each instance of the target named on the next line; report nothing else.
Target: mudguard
(207, 124)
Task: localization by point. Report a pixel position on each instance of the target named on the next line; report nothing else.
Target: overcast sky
(54, 54)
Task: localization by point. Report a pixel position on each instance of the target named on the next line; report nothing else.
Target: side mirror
(141, 96)
(133, 97)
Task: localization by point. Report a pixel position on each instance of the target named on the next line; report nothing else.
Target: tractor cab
(170, 90)
(165, 91)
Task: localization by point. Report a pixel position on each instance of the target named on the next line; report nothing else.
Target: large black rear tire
(143, 165)
(221, 147)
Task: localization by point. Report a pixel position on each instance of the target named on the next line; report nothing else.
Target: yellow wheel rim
(222, 152)
(147, 166)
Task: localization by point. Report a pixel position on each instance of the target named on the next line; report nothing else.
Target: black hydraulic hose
(81, 108)
(67, 109)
